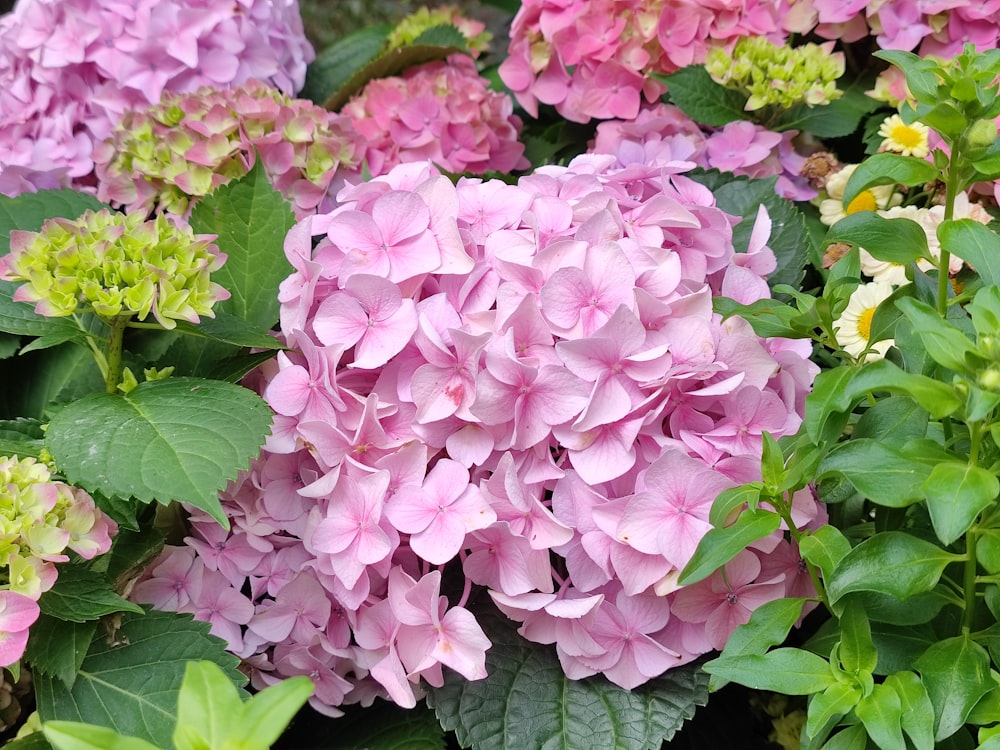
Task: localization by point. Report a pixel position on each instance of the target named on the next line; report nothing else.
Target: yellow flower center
(865, 323)
(906, 136)
(864, 202)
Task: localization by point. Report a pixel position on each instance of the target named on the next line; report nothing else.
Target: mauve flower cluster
(169, 155)
(41, 519)
(70, 68)
(534, 397)
(441, 111)
(597, 59)
(663, 135)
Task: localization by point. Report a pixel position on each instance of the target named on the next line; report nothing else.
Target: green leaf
(769, 626)
(956, 674)
(57, 647)
(34, 382)
(527, 702)
(729, 501)
(839, 118)
(209, 708)
(891, 562)
(267, 713)
(974, 243)
(921, 78)
(824, 548)
(177, 439)
(29, 211)
(825, 400)
(857, 650)
(722, 544)
(853, 738)
(33, 741)
(827, 708)
(791, 671)
(894, 420)
(130, 680)
(988, 550)
(889, 169)
(337, 63)
(702, 99)
(251, 220)
(21, 437)
(893, 240)
(917, 609)
(947, 345)
(881, 712)
(386, 726)
(898, 647)
(73, 735)
(917, 718)
(389, 64)
(956, 494)
(230, 329)
(80, 595)
(938, 398)
(768, 317)
(879, 471)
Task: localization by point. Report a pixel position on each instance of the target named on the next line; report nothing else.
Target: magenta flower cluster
(598, 59)
(169, 155)
(517, 387)
(70, 68)
(441, 111)
(663, 134)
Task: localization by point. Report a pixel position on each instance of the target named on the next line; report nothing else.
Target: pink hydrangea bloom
(520, 385)
(440, 111)
(70, 68)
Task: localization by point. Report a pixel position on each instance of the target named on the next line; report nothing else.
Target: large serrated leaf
(702, 99)
(132, 686)
(29, 211)
(337, 63)
(57, 648)
(528, 703)
(34, 382)
(80, 595)
(840, 117)
(382, 725)
(251, 220)
(176, 439)
(21, 438)
(230, 329)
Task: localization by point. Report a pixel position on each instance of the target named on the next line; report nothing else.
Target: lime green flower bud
(116, 264)
(412, 26)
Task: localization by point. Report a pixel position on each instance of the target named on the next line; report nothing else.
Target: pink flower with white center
(669, 515)
(438, 514)
(537, 398)
(370, 315)
(17, 614)
(727, 598)
(352, 533)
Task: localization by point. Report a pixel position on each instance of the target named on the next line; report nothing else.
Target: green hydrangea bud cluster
(412, 26)
(39, 520)
(116, 264)
(169, 155)
(771, 74)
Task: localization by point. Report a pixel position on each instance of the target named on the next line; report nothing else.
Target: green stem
(971, 539)
(944, 262)
(113, 376)
(785, 511)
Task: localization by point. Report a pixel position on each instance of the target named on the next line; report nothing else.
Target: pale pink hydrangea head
(443, 112)
(70, 68)
(522, 386)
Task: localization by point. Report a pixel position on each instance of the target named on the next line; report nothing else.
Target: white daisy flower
(854, 326)
(908, 140)
(832, 208)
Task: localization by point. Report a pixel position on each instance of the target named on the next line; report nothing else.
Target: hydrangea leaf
(702, 99)
(34, 382)
(80, 595)
(840, 117)
(73, 735)
(251, 220)
(21, 437)
(230, 329)
(9, 344)
(57, 647)
(177, 439)
(29, 211)
(337, 63)
(528, 703)
(130, 679)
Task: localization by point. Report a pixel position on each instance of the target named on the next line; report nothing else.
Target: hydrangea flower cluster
(772, 74)
(70, 68)
(188, 144)
(442, 111)
(116, 264)
(597, 59)
(534, 397)
(412, 26)
(663, 135)
(41, 519)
